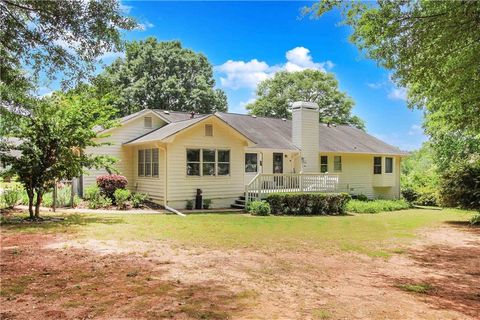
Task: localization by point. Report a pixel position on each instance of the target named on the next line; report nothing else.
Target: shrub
(95, 198)
(359, 197)
(100, 202)
(121, 198)
(460, 185)
(189, 205)
(475, 220)
(299, 203)
(427, 197)
(110, 182)
(376, 206)
(410, 195)
(207, 203)
(138, 199)
(259, 208)
(11, 196)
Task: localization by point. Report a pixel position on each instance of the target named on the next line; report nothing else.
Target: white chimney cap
(304, 105)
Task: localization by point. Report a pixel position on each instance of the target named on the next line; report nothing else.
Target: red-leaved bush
(108, 183)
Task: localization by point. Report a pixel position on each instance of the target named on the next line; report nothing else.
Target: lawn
(218, 266)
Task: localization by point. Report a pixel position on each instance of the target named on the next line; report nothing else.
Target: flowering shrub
(109, 183)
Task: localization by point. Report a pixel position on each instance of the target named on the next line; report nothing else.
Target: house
(170, 155)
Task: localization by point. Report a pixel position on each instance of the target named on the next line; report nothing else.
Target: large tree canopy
(275, 95)
(57, 36)
(161, 75)
(432, 48)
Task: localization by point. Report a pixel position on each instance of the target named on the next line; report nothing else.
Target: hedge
(303, 203)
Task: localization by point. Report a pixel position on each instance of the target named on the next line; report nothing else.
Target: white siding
(117, 136)
(357, 175)
(223, 190)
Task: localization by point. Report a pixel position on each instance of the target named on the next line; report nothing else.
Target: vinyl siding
(305, 132)
(357, 175)
(153, 186)
(117, 136)
(223, 190)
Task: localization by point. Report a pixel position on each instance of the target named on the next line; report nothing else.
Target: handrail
(265, 183)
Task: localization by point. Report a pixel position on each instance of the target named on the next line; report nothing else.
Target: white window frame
(377, 165)
(323, 164)
(152, 164)
(335, 163)
(201, 162)
(386, 167)
(147, 122)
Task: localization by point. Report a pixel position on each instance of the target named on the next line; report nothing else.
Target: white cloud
(144, 26)
(242, 105)
(125, 8)
(398, 94)
(241, 74)
(415, 129)
(111, 55)
(375, 85)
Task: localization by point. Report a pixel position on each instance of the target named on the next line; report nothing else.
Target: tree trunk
(30, 203)
(37, 205)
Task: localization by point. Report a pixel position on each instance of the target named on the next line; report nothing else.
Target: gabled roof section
(176, 127)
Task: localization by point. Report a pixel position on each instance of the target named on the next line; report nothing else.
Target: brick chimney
(305, 134)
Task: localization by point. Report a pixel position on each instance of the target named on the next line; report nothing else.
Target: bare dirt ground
(49, 276)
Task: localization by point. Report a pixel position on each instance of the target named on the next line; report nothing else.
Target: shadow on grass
(454, 284)
(83, 285)
(53, 222)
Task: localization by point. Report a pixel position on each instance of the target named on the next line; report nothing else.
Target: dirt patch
(51, 276)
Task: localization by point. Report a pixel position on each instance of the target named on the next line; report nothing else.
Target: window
(323, 164)
(208, 162)
(148, 161)
(209, 130)
(377, 165)
(337, 163)
(223, 162)
(388, 165)
(193, 162)
(251, 162)
(155, 162)
(141, 162)
(147, 122)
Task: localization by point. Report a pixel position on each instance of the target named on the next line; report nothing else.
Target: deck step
(237, 206)
(242, 197)
(240, 201)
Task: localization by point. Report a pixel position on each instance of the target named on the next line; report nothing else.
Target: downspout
(165, 185)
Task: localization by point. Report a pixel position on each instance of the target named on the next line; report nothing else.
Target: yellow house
(170, 155)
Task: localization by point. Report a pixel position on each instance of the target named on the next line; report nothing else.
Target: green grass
(378, 235)
(422, 288)
(376, 206)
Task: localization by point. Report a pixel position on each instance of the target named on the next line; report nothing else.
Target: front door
(278, 163)
(278, 168)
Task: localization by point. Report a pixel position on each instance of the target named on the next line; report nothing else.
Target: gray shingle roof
(274, 133)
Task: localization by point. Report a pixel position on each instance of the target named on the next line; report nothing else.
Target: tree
(275, 95)
(57, 36)
(432, 48)
(52, 139)
(161, 75)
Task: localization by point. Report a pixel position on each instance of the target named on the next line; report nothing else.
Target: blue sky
(248, 41)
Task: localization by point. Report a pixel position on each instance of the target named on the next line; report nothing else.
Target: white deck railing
(265, 183)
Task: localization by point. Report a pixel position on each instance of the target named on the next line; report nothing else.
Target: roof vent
(192, 114)
(166, 111)
(284, 119)
(254, 116)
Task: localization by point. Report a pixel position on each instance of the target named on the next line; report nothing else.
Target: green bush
(460, 185)
(427, 197)
(360, 197)
(95, 198)
(376, 206)
(475, 220)
(207, 203)
(410, 195)
(11, 196)
(138, 199)
(299, 203)
(189, 205)
(259, 208)
(121, 198)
